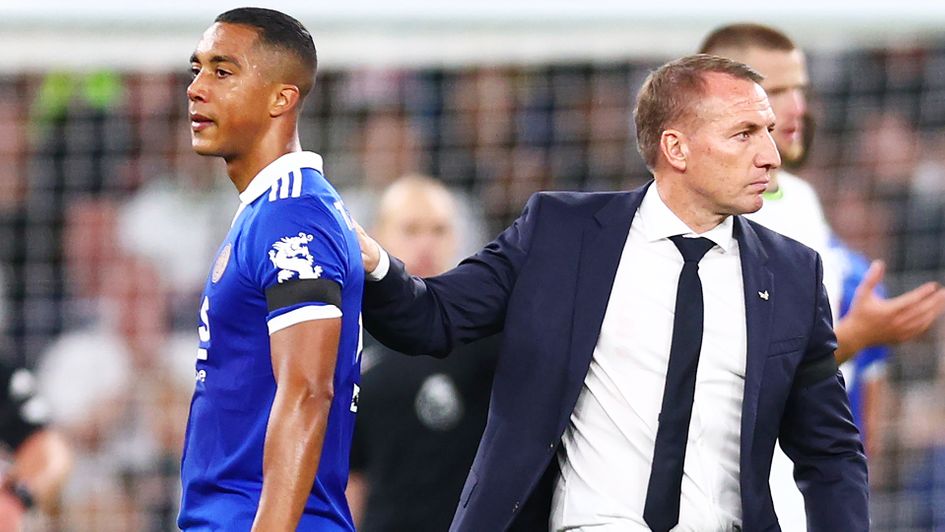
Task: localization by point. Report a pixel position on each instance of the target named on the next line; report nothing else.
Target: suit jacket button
(515, 508)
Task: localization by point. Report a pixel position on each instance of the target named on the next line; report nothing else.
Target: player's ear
(284, 99)
(674, 147)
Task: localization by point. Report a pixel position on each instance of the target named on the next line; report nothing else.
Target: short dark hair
(670, 92)
(278, 30)
(746, 35)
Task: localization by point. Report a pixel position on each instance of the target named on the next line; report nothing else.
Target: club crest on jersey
(290, 254)
(220, 265)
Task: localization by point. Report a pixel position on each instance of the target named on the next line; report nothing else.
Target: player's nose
(768, 156)
(196, 90)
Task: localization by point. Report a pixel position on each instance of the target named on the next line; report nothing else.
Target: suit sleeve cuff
(383, 265)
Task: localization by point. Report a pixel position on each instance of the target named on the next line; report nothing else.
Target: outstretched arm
(873, 320)
(432, 315)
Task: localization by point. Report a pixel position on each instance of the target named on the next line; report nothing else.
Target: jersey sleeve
(298, 258)
(22, 412)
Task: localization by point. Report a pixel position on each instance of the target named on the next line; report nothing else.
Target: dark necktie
(661, 512)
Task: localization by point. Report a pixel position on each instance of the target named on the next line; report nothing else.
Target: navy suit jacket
(546, 280)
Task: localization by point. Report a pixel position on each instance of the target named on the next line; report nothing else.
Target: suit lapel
(759, 306)
(601, 246)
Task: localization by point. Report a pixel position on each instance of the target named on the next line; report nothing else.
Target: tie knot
(692, 249)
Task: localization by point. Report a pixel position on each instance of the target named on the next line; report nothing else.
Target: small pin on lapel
(763, 295)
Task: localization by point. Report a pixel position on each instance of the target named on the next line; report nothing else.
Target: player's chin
(749, 204)
(756, 203)
(203, 147)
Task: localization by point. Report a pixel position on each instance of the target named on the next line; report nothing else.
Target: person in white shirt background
(793, 208)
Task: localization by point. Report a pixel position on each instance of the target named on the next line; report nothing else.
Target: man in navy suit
(642, 385)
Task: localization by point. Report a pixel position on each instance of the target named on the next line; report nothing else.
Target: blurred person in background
(419, 418)
(904, 191)
(269, 433)
(923, 439)
(75, 152)
(178, 216)
(117, 387)
(866, 320)
(12, 195)
(35, 459)
(387, 147)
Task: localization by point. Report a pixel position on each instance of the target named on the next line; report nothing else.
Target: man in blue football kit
(865, 373)
(273, 411)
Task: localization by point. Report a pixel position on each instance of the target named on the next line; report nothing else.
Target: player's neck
(242, 169)
(688, 207)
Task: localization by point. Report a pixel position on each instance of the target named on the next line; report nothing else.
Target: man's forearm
(294, 438)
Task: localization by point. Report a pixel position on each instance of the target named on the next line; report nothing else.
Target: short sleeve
(297, 257)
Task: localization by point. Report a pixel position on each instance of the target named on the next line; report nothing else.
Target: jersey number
(344, 214)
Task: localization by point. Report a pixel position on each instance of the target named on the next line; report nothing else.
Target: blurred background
(108, 221)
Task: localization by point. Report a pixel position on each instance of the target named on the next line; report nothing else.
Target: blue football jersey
(872, 360)
(290, 256)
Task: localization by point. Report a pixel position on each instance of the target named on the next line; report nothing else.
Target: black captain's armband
(303, 291)
(815, 371)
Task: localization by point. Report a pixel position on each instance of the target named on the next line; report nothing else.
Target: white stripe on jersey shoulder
(276, 178)
(280, 189)
(309, 313)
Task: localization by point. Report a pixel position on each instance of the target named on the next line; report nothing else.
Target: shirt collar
(660, 222)
(279, 168)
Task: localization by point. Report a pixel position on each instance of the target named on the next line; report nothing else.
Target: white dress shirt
(607, 449)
